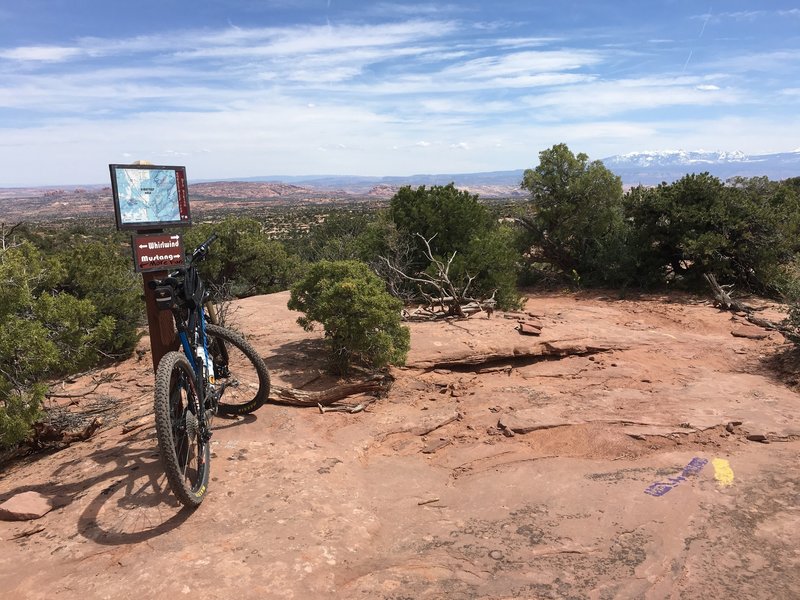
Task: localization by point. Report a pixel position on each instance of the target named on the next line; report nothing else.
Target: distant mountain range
(490, 183)
(646, 168)
(649, 168)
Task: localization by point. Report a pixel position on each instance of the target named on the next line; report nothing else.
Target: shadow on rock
(784, 366)
(299, 361)
(136, 505)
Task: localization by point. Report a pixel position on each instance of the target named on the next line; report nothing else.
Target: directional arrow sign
(157, 252)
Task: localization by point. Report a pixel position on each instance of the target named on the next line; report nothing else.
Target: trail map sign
(150, 196)
(149, 199)
(157, 252)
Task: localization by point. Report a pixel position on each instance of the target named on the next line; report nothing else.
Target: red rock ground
(302, 505)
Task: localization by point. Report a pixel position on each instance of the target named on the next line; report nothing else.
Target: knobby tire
(240, 368)
(184, 454)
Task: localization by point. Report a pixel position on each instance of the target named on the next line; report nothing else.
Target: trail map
(148, 195)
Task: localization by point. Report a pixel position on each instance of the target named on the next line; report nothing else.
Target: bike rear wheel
(184, 448)
(239, 367)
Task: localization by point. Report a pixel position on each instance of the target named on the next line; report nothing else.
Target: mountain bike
(216, 372)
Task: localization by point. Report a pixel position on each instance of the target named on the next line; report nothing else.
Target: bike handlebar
(202, 250)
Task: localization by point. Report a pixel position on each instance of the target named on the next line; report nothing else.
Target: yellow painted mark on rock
(722, 471)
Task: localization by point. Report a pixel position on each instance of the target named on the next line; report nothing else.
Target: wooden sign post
(163, 337)
(148, 199)
(152, 251)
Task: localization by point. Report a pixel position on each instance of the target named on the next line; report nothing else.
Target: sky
(238, 88)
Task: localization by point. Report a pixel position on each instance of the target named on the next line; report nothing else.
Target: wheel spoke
(180, 440)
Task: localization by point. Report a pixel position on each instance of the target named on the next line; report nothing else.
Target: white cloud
(602, 98)
(41, 53)
(310, 40)
(283, 139)
(523, 64)
(775, 61)
(414, 9)
(299, 100)
(742, 15)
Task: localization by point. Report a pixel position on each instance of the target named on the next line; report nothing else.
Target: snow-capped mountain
(653, 167)
(675, 157)
(647, 168)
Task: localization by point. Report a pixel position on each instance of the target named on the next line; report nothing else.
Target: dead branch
(420, 430)
(28, 532)
(378, 384)
(45, 435)
(5, 235)
(424, 502)
(352, 409)
(447, 300)
(105, 378)
(423, 431)
(723, 300)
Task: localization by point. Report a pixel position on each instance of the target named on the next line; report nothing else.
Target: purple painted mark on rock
(662, 487)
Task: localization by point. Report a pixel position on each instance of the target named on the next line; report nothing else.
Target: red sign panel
(158, 252)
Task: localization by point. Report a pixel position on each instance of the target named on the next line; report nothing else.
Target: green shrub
(336, 238)
(244, 261)
(575, 220)
(743, 231)
(105, 278)
(453, 221)
(61, 312)
(361, 320)
(18, 411)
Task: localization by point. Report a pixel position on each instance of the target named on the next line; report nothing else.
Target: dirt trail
(600, 460)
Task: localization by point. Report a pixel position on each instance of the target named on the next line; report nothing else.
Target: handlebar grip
(210, 240)
(201, 251)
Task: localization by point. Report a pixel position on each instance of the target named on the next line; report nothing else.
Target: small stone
(750, 333)
(758, 437)
(496, 555)
(25, 507)
(435, 445)
(729, 427)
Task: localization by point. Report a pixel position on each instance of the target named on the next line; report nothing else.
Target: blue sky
(280, 87)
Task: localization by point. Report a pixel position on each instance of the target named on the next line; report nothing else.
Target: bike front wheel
(183, 446)
(240, 369)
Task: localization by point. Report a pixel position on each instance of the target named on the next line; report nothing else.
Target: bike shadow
(129, 496)
(230, 421)
(136, 505)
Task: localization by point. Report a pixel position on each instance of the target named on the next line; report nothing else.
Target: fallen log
(723, 300)
(46, 435)
(378, 384)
